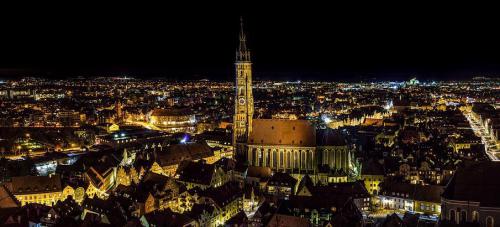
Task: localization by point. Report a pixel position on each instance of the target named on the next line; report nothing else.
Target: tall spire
(242, 54)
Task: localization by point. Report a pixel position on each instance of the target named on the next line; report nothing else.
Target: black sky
(315, 43)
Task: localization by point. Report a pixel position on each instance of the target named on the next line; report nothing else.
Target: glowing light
(389, 105)
(184, 139)
(326, 119)
(122, 135)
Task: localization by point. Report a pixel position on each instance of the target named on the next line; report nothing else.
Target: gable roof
(36, 184)
(282, 132)
(7, 200)
(354, 189)
(282, 179)
(287, 220)
(305, 185)
(428, 193)
(372, 167)
(167, 218)
(196, 172)
(177, 153)
(259, 172)
(224, 194)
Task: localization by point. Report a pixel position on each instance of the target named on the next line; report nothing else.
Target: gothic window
(289, 159)
(261, 158)
(490, 222)
(268, 157)
(303, 159)
(324, 159)
(452, 216)
(463, 216)
(254, 155)
(275, 159)
(297, 159)
(310, 160)
(331, 159)
(282, 163)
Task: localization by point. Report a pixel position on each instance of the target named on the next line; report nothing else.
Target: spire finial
(242, 31)
(242, 54)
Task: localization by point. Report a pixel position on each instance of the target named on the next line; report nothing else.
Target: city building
(411, 197)
(173, 120)
(45, 190)
(202, 175)
(372, 173)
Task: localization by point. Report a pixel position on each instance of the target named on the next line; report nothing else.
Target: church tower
(243, 105)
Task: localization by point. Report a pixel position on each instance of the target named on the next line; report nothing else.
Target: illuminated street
(491, 147)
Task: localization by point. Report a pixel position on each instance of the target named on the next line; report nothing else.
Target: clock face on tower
(242, 101)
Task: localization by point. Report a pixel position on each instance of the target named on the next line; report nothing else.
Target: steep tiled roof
(349, 189)
(180, 152)
(282, 179)
(36, 184)
(259, 172)
(283, 132)
(224, 194)
(196, 172)
(7, 200)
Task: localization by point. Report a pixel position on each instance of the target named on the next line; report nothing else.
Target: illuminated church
(293, 146)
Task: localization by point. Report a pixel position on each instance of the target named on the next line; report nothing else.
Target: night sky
(328, 44)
